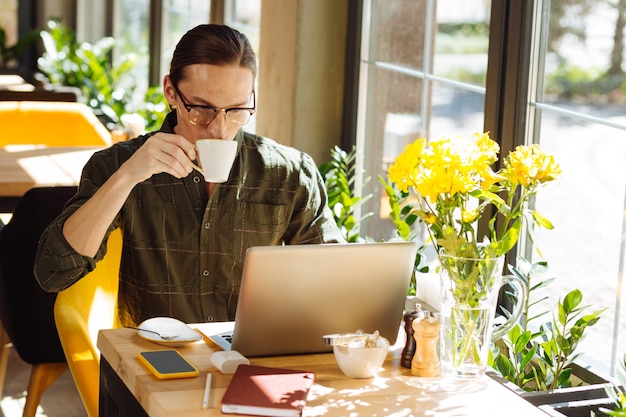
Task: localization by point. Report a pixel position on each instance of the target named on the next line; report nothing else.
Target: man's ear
(168, 91)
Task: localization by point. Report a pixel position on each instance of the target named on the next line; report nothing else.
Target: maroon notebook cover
(264, 391)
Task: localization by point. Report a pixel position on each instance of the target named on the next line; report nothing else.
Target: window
(548, 72)
(429, 79)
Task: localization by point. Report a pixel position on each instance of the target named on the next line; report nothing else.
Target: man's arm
(86, 227)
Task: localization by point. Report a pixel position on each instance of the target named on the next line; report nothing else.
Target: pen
(207, 391)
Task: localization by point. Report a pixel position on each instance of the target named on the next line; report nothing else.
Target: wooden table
(23, 167)
(128, 388)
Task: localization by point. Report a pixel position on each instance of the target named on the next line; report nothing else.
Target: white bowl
(357, 361)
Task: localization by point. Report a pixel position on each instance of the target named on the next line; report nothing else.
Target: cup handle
(196, 167)
(520, 288)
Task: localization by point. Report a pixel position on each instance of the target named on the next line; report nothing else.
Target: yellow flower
(449, 165)
(429, 218)
(469, 216)
(452, 173)
(405, 167)
(529, 166)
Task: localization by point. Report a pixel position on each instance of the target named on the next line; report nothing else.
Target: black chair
(27, 311)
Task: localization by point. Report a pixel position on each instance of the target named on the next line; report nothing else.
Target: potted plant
(539, 360)
(107, 87)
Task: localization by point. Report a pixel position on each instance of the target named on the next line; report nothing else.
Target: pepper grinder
(426, 334)
(409, 346)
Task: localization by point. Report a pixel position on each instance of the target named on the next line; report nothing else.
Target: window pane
(456, 109)
(580, 110)
(245, 16)
(586, 208)
(178, 17)
(462, 40)
(131, 33)
(393, 121)
(397, 32)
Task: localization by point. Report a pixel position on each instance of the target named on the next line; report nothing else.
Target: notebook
(266, 391)
(291, 296)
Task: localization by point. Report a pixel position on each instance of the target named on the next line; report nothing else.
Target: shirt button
(210, 318)
(196, 179)
(207, 225)
(205, 272)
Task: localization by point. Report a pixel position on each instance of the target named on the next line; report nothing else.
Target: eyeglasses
(200, 115)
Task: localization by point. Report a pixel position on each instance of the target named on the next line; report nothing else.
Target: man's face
(222, 87)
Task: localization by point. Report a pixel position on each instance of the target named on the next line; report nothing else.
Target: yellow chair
(83, 309)
(51, 123)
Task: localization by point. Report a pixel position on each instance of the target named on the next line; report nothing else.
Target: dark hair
(211, 44)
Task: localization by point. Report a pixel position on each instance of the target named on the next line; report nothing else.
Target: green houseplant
(539, 357)
(107, 87)
(154, 108)
(339, 177)
(406, 222)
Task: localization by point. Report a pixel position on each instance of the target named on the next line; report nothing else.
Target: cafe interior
(369, 76)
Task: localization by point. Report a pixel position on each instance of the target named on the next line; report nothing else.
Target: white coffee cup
(215, 157)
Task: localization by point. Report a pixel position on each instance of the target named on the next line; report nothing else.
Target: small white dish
(168, 325)
(357, 361)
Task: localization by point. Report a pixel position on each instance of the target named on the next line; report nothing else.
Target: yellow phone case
(167, 364)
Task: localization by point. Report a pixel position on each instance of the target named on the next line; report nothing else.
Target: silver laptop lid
(293, 295)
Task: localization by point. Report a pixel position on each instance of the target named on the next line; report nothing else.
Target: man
(185, 240)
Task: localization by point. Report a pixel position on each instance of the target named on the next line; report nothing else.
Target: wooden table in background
(23, 167)
(127, 388)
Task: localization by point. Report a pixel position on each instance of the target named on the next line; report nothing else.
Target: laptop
(291, 296)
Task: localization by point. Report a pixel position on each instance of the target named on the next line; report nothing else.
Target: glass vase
(469, 297)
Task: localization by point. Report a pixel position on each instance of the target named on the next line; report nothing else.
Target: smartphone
(167, 364)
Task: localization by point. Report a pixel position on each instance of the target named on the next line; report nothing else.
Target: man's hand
(163, 152)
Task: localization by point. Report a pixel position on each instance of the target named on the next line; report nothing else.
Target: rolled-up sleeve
(57, 264)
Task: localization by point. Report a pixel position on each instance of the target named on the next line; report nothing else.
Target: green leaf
(562, 313)
(522, 341)
(563, 343)
(543, 283)
(563, 380)
(541, 221)
(572, 300)
(528, 357)
(504, 366)
(510, 238)
(489, 196)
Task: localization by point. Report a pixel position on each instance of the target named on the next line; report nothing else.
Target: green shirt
(182, 255)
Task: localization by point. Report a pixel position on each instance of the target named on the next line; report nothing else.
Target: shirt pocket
(257, 224)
